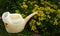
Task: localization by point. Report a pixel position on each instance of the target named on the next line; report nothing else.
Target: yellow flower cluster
(32, 25)
(40, 13)
(58, 11)
(42, 2)
(47, 8)
(32, 22)
(38, 23)
(23, 15)
(51, 5)
(47, 12)
(17, 11)
(24, 6)
(25, 0)
(55, 22)
(32, 3)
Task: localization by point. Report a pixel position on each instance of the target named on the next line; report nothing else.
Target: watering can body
(15, 23)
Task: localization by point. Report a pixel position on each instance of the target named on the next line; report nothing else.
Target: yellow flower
(47, 8)
(38, 23)
(29, 1)
(23, 3)
(58, 13)
(36, 5)
(47, 12)
(33, 27)
(55, 22)
(52, 10)
(25, 0)
(48, 3)
(32, 3)
(49, 16)
(33, 10)
(23, 15)
(24, 6)
(42, 2)
(42, 18)
(40, 13)
(32, 22)
(42, 8)
(17, 11)
(39, 18)
(58, 10)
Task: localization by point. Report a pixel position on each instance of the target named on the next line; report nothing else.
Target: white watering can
(15, 23)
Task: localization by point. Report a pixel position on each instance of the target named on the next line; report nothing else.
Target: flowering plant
(48, 18)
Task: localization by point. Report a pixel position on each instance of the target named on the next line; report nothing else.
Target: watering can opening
(6, 14)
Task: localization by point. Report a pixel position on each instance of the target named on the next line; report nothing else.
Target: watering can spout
(28, 17)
